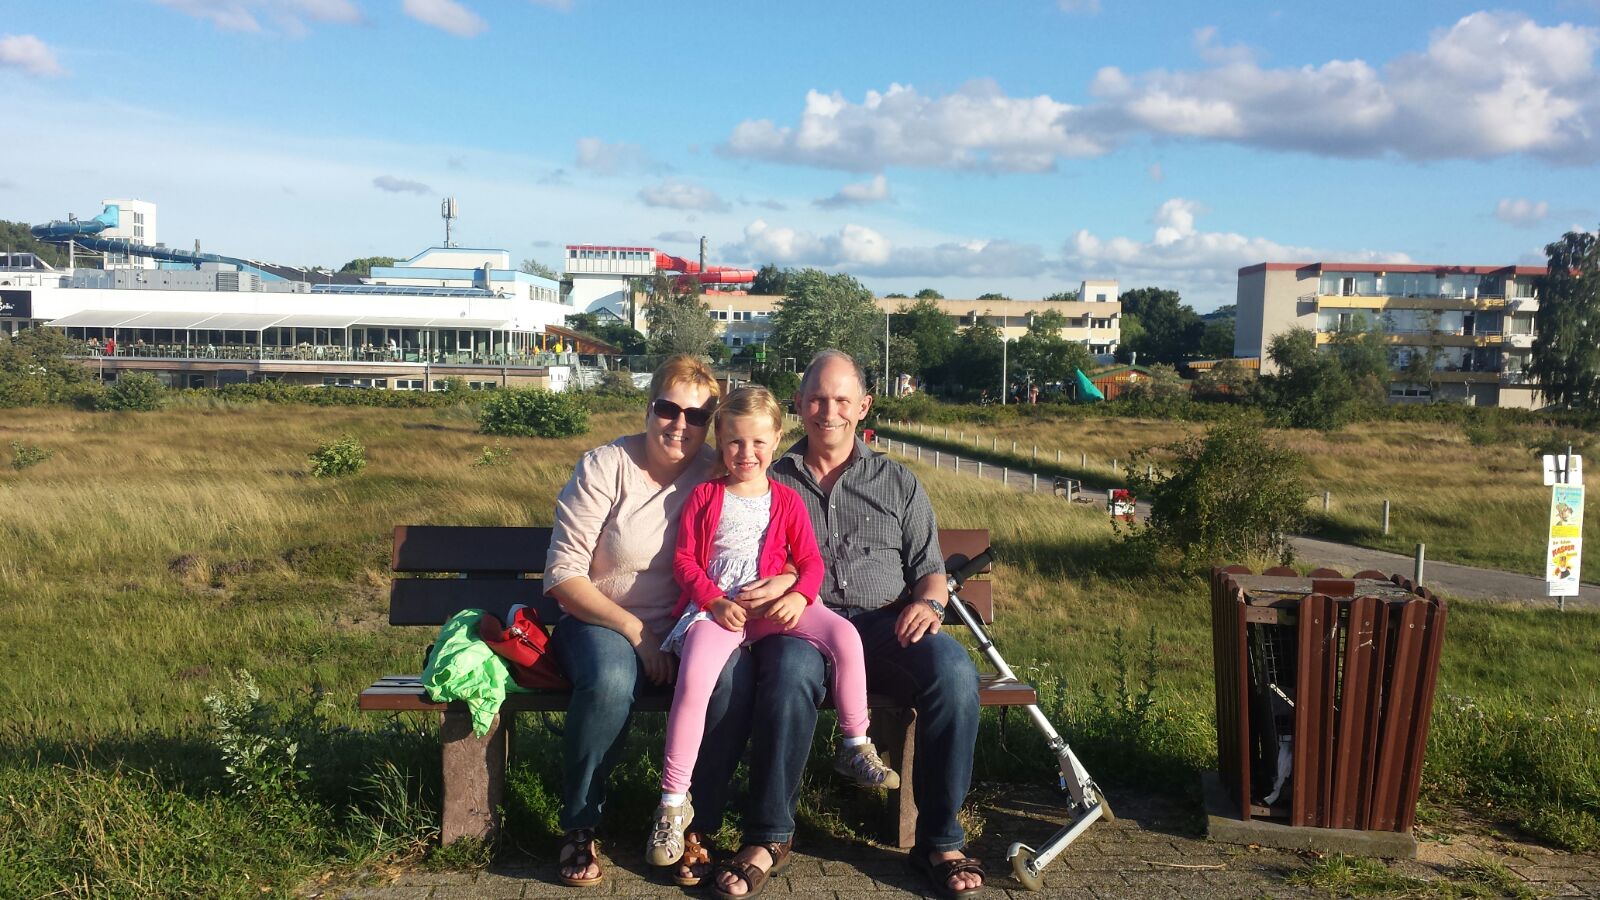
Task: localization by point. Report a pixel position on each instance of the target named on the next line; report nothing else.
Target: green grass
(155, 553)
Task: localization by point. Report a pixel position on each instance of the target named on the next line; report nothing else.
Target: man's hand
(728, 614)
(786, 610)
(758, 592)
(658, 665)
(916, 620)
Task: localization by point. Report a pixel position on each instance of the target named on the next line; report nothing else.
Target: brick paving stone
(1590, 888)
(386, 892)
(434, 879)
(843, 884)
(493, 890)
(1550, 873)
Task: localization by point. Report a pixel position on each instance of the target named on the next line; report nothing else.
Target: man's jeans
(606, 679)
(935, 676)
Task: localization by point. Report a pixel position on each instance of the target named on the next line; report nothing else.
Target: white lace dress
(735, 554)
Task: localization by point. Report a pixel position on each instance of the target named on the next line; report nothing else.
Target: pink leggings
(706, 648)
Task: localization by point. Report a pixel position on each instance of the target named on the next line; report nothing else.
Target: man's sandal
(578, 850)
(696, 852)
(755, 879)
(939, 873)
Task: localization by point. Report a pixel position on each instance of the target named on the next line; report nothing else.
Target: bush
(134, 391)
(23, 456)
(526, 412)
(498, 455)
(1233, 495)
(344, 456)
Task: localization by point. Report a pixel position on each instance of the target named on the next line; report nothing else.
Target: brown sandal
(755, 879)
(585, 850)
(938, 873)
(696, 852)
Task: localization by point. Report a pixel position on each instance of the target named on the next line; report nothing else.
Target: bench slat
(404, 693)
(470, 548)
(962, 544)
(432, 601)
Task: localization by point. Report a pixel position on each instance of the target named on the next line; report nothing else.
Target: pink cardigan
(789, 537)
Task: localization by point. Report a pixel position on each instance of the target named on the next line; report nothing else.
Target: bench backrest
(456, 567)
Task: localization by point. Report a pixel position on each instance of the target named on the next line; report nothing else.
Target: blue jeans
(606, 680)
(935, 676)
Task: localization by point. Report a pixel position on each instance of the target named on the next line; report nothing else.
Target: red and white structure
(600, 274)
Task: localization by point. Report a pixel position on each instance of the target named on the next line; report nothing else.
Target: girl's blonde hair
(750, 401)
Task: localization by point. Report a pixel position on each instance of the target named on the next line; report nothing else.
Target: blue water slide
(76, 228)
(84, 234)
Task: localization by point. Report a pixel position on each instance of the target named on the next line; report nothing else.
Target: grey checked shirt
(876, 528)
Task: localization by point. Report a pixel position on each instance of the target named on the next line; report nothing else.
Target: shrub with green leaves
(498, 455)
(134, 391)
(23, 455)
(258, 752)
(533, 412)
(1233, 495)
(345, 456)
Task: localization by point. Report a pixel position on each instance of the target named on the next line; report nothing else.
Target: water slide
(85, 233)
(711, 275)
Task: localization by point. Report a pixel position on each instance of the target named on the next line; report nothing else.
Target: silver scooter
(1086, 803)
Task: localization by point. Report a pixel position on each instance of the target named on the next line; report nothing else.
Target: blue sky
(1017, 146)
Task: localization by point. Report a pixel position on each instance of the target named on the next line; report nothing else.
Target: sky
(1018, 146)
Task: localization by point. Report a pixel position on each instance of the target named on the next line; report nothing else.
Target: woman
(610, 567)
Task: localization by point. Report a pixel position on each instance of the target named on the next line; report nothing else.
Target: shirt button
(843, 583)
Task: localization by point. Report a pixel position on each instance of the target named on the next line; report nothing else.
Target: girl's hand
(761, 590)
(786, 610)
(728, 614)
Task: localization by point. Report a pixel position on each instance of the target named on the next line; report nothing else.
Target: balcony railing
(318, 354)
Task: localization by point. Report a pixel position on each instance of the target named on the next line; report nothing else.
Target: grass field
(1482, 505)
(154, 554)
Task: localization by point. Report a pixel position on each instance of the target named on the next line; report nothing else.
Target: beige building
(746, 319)
(1474, 323)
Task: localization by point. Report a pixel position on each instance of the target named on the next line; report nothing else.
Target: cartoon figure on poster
(1564, 556)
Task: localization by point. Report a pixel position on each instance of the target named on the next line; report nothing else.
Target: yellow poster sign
(1565, 549)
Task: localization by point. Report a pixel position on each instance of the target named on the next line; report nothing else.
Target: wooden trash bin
(1332, 677)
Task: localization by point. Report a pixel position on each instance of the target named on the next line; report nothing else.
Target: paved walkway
(1151, 851)
(1455, 580)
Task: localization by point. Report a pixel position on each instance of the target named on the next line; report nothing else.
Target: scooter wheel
(1021, 862)
(1106, 815)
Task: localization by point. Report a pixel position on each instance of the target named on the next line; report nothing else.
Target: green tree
(678, 318)
(1566, 346)
(364, 265)
(896, 296)
(1171, 329)
(1216, 342)
(34, 369)
(992, 298)
(934, 334)
(903, 356)
(17, 237)
(928, 294)
(822, 310)
(976, 361)
(1062, 297)
(771, 281)
(1316, 389)
(1044, 354)
(618, 334)
(535, 267)
(134, 392)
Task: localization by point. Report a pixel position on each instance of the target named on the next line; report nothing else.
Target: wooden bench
(496, 568)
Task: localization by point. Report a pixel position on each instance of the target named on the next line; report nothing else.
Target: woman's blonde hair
(685, 368)
(750, 401)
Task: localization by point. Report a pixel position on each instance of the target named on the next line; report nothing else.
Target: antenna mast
(448, 212)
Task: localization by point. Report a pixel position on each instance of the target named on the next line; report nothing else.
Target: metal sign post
(1564, 548)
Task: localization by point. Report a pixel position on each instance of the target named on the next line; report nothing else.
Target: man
(878, 537)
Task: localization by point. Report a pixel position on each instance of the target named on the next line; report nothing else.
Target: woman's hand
(658, 664)
(758, 592)
(728, 614)
(786, 610)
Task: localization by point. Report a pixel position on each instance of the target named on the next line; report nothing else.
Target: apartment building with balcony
(1456, 333)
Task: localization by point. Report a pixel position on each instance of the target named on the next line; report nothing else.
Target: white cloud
(446, 15)
(601, 158)
(1492, 84)
(977, 127)
(677, 237)
(28, 53)
(866, 251)
(1521, 212)
(1179, 251)
(858, 194)
(287, 15)
(1087, 7)
(674, 193)
(400, 185)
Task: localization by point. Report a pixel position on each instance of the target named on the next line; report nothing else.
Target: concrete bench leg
(894, 733)
(474, 777)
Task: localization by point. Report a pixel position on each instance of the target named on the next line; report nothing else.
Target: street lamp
(1004, 343)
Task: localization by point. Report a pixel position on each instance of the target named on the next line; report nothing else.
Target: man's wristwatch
(938, 607)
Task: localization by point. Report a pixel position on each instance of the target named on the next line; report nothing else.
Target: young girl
(736, 529)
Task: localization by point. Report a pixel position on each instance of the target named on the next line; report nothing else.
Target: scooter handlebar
(973, 566)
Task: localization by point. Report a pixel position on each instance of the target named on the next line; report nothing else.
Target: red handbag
(524, 645)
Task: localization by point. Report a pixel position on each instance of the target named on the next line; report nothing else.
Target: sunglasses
(697, 416)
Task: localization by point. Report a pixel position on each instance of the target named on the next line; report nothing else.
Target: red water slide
(712, 274)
